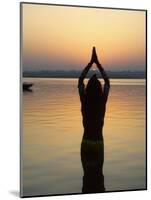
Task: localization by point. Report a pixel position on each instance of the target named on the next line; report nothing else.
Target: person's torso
(93, 120)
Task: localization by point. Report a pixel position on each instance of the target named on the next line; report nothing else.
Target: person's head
(93, 91)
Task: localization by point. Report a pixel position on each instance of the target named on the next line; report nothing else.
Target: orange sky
(60, 37)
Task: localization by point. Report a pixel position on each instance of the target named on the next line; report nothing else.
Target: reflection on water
(92, 158)
(52, 133)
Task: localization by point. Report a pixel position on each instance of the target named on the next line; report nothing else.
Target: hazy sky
(59, 37)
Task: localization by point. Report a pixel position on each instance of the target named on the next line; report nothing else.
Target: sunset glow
(60, 37)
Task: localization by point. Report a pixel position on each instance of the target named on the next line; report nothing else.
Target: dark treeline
(76, 74)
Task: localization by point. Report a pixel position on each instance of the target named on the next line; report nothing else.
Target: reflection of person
(93, 105)
(92, 157)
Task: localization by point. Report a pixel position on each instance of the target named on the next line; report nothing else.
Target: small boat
(27, 86)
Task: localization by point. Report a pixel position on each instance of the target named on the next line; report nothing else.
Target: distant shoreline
(76, 74)
(86, 77)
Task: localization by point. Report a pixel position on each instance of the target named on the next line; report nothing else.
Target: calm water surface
(52, 133)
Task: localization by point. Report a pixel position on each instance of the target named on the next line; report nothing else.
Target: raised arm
(106, 87)
(83, 74)
(102, 71)
(104, 75)
(81, 86)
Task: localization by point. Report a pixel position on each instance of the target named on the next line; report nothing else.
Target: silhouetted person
(93, 105)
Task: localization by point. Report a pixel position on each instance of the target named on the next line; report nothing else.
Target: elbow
(107, 82)
(80, 81)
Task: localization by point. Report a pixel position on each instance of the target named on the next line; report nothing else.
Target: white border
(9, 100)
